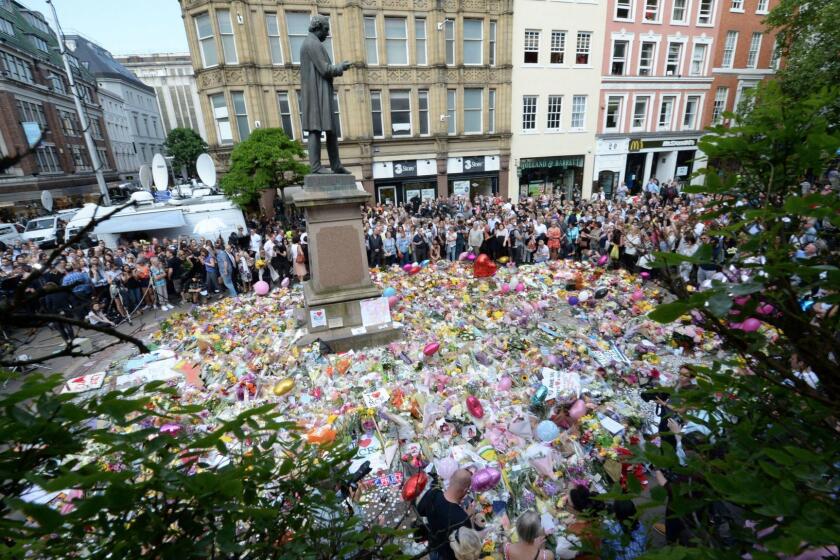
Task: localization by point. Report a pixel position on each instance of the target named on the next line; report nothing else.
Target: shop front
(665, 159)
(551, 175)
(472, 176)
(397, 182)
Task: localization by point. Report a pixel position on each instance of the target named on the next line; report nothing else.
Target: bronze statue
(316, 95)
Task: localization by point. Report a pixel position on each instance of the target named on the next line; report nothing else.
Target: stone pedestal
(338, 265)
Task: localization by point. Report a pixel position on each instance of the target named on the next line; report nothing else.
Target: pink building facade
(656, 78)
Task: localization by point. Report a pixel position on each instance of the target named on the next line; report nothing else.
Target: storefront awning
(142, 222)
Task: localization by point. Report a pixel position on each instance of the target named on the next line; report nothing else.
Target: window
(762, 7)
(146, 126)
(371, 47)
(450, 111)
(692, 102)
(206, 42)
(554, 120)
(619, 58)
(420, 40)
(492, 59)
(613, 114)
(273, 31)
(39, 43)
(646, 53)
(584, 38)
(47, 157)
(775, 56)
(17, 68)
(698, 59)
(679, 11)
(297, 26)
(376, 113)
(624, 9)
(666, 112)
(640, 111)
(672, 63)
(136, 124)
(719, 105)
(558, 47)
(80, 159)
(473, 41)
(241, 113)
(473, 104)
(651, 11)
(36, 22)
(400, 112)
(491, 111)
(737, 6)
(755, 46)
(532, 46)
(729, 49)
(396, 41)
(578, 112)
(32, 112)
(226, 34)
(529, 112)
(705, 13)
(57, 84)
(7, 27)
(220, 115)
(285, 113)
(95, 129)
(102, 156)
(423, 111)
(449, 36)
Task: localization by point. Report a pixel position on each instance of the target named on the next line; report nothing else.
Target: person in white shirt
(256, 241)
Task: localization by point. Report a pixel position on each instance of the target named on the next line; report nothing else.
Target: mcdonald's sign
(636, 145)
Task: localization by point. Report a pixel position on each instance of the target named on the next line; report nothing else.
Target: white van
(46, 232)
(10, 234)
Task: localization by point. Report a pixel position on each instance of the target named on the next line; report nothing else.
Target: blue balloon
(547, 430)
(425, 263)
(388, 292)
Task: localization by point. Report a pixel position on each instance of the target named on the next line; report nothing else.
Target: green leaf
(669, 312)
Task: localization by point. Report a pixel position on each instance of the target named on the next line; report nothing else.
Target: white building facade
(119, 132)
(557, 58)
(171, 75)
(143, 116)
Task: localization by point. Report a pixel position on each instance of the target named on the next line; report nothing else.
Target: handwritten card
(375, 311)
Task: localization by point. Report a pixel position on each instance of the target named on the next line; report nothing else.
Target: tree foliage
(185, 145)
(268, 159)
(771, 451)
(143, 476)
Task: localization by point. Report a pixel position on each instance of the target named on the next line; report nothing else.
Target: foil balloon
(584, 295)
(540, 396)
(463, 256)
(431, 348)
(389, 291)
(486, 479)
(471, 257)
(407, 267)
(573, 300)
(474, 406)
(446, 467)
(424, 263)
(484, 267)
(601, 292)
(414, 269)
(285, 282)
(603, 260)
(261, 288)
(503, 260)
(750, 325)
(547, 431)
(414, 486)
(645, 275)
(393, 301)
(578, 410)
(283, 387)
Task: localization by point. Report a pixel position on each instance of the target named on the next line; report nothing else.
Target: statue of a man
(316, 95)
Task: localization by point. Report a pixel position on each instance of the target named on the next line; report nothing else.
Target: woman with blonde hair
(466, 543)
(531, 540)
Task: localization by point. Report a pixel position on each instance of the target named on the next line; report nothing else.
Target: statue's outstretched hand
(345, 65)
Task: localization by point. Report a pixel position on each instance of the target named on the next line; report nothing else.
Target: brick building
(34, 97)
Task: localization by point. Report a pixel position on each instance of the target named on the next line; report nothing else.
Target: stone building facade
(424, 111)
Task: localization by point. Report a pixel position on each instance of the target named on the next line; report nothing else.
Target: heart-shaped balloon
(474, 406)
(414, 486)
(431, 348)
(484, 267)
(485, 479)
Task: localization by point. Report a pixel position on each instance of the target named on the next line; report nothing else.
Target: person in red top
(555, 235)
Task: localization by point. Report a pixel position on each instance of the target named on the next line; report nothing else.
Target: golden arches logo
(636, 145)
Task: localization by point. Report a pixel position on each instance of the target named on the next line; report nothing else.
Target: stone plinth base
(338, 267)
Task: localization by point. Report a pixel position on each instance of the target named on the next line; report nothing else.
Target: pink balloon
(474, 406)
(446, 467)
(393, 300)
(578, 410)
(766, 309)
(463, 256)
(505, 288)
(751, 325)
(471, 257)
(520, 287)
(261, 288)
(486, 479)
(407, 267)
(645, 275)
(603, 260)
(505, 383)
(431, 348)
(285, 282)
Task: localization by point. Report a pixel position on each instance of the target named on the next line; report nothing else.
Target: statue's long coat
(316, 77)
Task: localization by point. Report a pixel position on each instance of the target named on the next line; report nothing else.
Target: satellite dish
(146, 176)
(206, 170)
(160, 173)
(47, 200)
